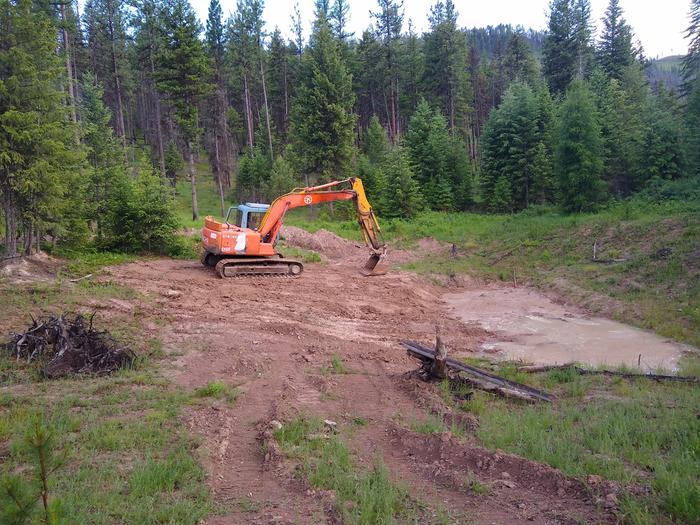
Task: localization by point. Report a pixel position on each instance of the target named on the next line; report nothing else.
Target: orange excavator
(238, 250)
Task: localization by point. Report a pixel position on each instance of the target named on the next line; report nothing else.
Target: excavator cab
(248, 215)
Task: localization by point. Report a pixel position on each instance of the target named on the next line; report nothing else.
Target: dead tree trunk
(267, 112)
(193, 181)
(438, 368)
(248, 111)
(69, 69)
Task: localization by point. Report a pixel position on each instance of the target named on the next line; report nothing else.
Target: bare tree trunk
(69, 69)
(248, 111)
(193, 181)
(218, 172)
(28, 238)
(10, 223)
(159, 131)
(267, 112)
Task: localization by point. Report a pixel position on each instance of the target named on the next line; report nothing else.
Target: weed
(218, 389)
(359, 421)
(338, 365)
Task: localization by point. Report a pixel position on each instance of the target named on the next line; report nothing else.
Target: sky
(660, 26)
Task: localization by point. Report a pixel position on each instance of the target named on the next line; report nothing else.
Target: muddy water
(528, 326)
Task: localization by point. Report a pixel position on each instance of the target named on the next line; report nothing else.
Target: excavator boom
(231, 249)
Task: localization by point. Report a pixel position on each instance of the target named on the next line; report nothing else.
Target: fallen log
(480, 378)
(612, 373)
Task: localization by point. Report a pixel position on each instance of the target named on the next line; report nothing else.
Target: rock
(505, 475)
(330, 424)
(594, 480)
(506, 483)
(172, 293)
(275, 424)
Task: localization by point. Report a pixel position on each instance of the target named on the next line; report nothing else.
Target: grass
(218, 389)
(127, 457)
(431, 424)
(630, 431)
(363, 496)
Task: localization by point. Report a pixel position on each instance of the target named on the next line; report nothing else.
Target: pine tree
(578, 152)
(445, 77)
(518, 61)
(691, 61)
(321, 131)
(615, 52)
(38, 160)
(389, 20)
(338, 19)
(560, 47)
(513, 134)
(662, 149)
(183, 75)
(373, 179)
(411, 68)
(692, 118)
(367, 79)
(105, 22)
(282, 179)
(375, 144)
(403, 197)
(583, 36)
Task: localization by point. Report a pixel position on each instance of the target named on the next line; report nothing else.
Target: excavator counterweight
(237, 250)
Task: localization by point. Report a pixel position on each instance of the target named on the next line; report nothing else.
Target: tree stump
(438, 368)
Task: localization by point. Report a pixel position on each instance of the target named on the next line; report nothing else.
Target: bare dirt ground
(274, 337)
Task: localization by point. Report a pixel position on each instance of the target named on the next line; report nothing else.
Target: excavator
(249, 249)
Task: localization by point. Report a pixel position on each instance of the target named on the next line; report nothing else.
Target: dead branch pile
(69, 345)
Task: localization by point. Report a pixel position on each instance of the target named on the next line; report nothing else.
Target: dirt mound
(324, 242)
(29, 269)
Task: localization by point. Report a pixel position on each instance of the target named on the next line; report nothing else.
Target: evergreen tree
(411, 69)
(518, 62)
(321, 133)
(403, 198)
(583, 36)
(445, 77)
(375, 144)
(373, 179)
(39, 163)
(282, 179)
(578, 152)
(691, 61)
(338, 19)
(183, 75)
(615, 52)
(389, 20)
(367, 79)
(513, 138)
(105, 22)
(560, 47)
(662, 149)
(692, 118)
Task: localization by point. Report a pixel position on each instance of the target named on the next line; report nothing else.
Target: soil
(274, 339)
(39, 267)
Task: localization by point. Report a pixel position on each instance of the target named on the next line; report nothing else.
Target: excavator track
(258, 267)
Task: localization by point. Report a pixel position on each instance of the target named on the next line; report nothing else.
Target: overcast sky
(660, 26)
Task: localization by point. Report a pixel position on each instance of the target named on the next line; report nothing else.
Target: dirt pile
(324, 242)
(333, 247)
(30, 269)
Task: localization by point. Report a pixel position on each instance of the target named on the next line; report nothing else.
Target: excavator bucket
(372, 266)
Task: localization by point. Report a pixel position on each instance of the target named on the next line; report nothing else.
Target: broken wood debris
(69, 344)
(627, 375)
(480, 378)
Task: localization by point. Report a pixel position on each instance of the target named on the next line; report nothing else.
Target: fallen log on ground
(480, 378)
(69, 344)
(627, 375)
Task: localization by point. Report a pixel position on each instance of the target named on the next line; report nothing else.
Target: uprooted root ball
(69, 344)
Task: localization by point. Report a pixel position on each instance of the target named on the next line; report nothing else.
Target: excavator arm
(272, 220)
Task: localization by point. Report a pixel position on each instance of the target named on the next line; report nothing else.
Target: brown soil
(272, 337)
(40, 267)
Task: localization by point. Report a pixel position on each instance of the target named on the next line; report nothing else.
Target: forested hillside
(102, 110)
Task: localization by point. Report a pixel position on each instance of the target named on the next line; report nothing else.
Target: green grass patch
(628, 431)
(218, 389)
(292, 252)
(125, 457)
(363, 496)
(431, 424)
